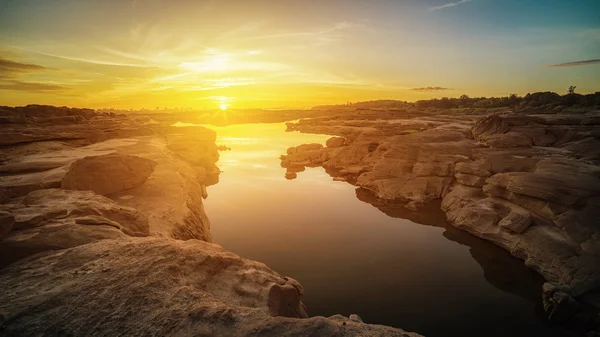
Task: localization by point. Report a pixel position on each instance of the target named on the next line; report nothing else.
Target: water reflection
(500, 269)
(388, 264)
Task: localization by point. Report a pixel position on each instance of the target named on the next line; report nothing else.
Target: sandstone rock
(488, 126)
(475, 216)
(581, 223)
(151, 286)
(54, 219)
(503, 160)
(335, 142)
(508, 140)
(549, 181)
(19, 185)
(295, 168)
(470, 180)
(304, 148)
(559, 304)
(108, 174)
(306, 155)
(517, 221)
(479, 168)
(6, 223)
(5, 195)
(201, 174)
(439, 168)
(42, 207)
(355, 318)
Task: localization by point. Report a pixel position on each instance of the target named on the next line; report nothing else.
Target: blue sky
(291, 53)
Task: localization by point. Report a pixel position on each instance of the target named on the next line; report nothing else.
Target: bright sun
(223, 106)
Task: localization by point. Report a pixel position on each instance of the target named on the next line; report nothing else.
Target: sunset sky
(285, 53)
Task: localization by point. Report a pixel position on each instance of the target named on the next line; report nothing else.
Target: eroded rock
(153, 286)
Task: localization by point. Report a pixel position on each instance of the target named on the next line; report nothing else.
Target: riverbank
(528, 183)
(104, 233)
(328, 235)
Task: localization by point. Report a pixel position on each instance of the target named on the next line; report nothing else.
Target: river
(353, 257)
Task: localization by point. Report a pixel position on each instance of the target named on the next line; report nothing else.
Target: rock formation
(529, 184)
(103, 232)
(108, 174)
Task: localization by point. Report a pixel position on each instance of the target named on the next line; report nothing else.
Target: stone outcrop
(526, 183)
(51, 219)
(160, 287)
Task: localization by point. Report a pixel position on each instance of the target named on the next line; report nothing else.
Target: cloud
(30, 86)
(574, 64)
(321, 37)
(448, 5)
(12, 68)
(429, 89)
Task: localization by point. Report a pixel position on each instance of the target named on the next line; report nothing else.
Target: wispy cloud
(30, 86)
(574, 64)
(320, 37)
(428, 89)
(12, 68)
(448, 5)
(90, 61)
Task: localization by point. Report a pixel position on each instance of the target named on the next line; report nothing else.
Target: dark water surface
(353, 255)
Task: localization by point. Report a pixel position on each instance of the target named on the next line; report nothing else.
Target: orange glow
(274, 54)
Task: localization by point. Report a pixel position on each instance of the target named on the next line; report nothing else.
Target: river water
(353, 255)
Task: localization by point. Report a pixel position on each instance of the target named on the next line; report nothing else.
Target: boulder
(517, 221)
(335, 142)
(108, 174)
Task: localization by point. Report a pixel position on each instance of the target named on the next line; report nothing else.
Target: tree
(572, 89)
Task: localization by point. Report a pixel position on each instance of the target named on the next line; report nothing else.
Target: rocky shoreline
(103, 232)
(528, 183)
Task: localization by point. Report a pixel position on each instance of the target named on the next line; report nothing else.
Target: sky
(291, 54)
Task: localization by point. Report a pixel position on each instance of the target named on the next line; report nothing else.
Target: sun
(223, 106)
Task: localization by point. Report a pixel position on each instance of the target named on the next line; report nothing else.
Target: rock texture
(525, 183)
(103, 232)
(108, 174)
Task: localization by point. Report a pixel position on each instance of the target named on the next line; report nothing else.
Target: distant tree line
(535, 101)
(545, 100)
